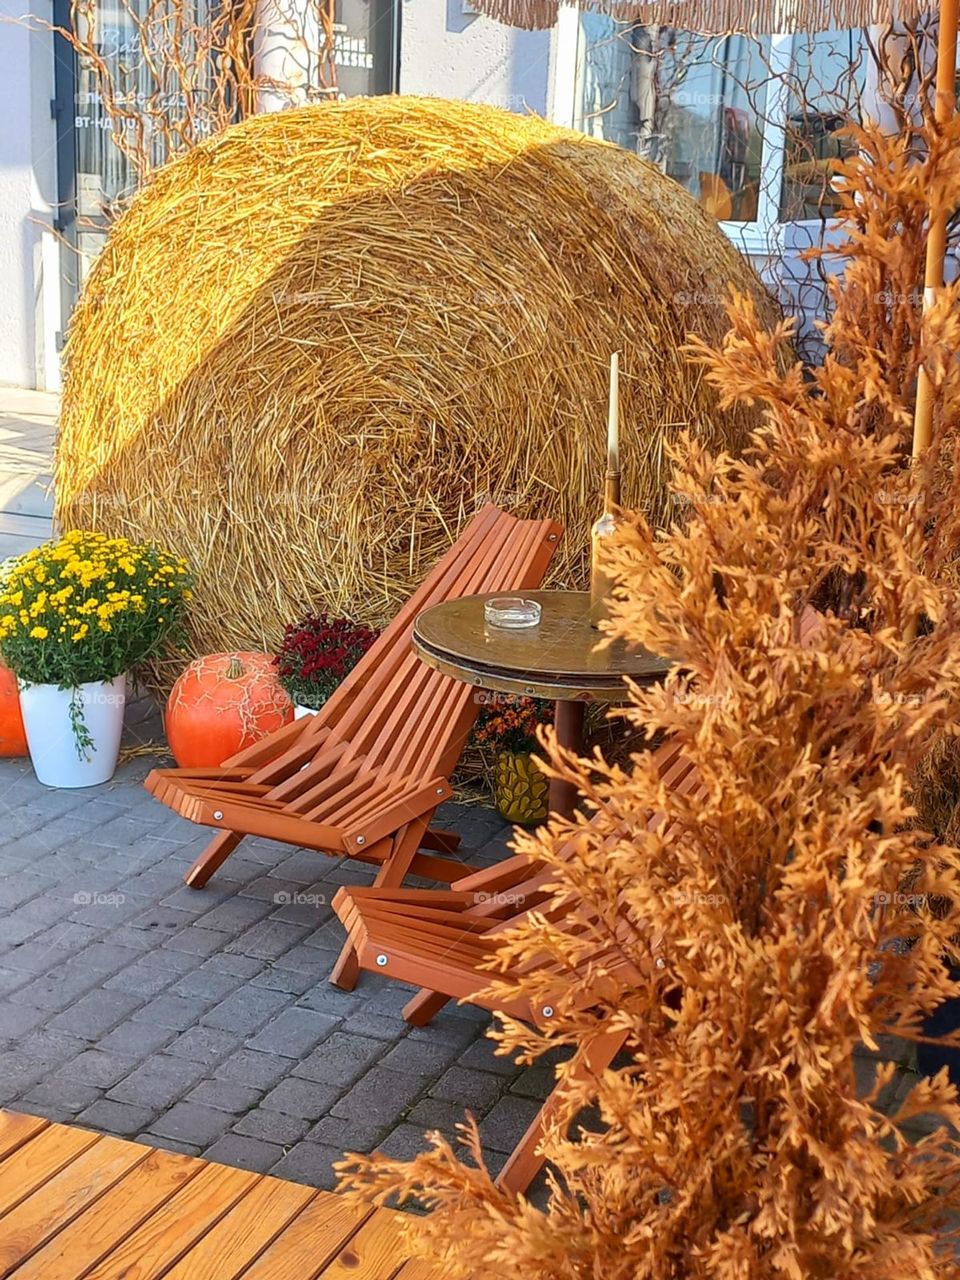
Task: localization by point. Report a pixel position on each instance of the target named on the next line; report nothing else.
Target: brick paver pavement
(204, 1021)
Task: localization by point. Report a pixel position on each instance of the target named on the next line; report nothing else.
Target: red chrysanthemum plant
(318, 652)
(733, 1142)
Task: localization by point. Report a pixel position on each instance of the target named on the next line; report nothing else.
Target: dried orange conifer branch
(764, 922)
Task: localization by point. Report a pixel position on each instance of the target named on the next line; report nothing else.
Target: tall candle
(613, 415)
(601, 585)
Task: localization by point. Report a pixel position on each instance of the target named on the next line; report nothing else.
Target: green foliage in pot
(86, 608)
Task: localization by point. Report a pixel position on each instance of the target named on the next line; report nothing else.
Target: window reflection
(690, 104)
(157, 54)
(826, 82)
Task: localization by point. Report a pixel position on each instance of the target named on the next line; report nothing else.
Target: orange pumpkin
(13, 740)
(222, 703)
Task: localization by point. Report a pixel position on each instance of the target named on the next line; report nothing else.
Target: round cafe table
(557, 659)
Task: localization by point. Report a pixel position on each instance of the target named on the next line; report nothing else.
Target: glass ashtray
(512, 612)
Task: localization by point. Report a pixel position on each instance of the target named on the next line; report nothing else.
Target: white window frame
(759, 236)
(563, 65)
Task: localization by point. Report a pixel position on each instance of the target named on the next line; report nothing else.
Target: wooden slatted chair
(441, 939)
(363, 777)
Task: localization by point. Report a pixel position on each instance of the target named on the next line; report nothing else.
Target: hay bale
(316, 343)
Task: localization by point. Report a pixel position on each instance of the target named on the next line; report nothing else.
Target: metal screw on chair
(217, 815)
(361, 839)
(548, 1010)
(439, 791)
(381, 961)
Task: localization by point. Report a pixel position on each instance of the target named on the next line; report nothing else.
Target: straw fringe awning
(717, 16)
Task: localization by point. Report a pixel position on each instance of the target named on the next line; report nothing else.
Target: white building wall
(29, 255)
(446, 51)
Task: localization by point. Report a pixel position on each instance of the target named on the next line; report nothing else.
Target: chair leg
(525, 1160)
(440, 841)
(391, 874)
(213, 857)
(442, 869)
(425, 1005)
(346, 971)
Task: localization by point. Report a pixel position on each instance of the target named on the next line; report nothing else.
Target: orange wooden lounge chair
(440, 940)
(363, 777)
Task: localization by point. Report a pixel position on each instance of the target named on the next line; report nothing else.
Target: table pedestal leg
(569, 726)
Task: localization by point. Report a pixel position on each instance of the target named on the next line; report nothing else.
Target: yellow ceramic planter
(520, 789)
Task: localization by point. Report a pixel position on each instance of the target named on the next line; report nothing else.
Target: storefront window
(693, 106)
(148, 73)
(825, 86)
(106, 173)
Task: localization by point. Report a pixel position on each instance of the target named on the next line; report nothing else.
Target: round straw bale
(318, 342)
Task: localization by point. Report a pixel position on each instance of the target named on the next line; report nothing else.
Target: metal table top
(557, 659)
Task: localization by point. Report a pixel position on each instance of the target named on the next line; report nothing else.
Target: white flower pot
(56, 759)
(299, 711)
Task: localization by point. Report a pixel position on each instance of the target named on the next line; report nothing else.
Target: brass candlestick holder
(601, 584)
(601, 535)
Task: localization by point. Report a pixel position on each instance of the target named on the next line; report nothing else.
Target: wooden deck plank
(92, 1236)
(16, 1129)
(415, 1269)
(166, 1235)
(76, 1205)
(313, 1238)
(39, 1160)
(372, 1254)
(63, 1197)
(238, 1239)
